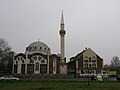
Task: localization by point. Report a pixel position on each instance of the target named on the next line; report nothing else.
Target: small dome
(38, 47)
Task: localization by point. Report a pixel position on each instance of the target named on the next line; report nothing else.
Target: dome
(38, 47)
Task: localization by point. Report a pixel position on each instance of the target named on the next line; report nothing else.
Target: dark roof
(77, 56)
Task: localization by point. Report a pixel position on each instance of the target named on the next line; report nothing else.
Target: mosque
(38, 58)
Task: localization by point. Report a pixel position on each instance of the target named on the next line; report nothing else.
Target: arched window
(43, 61)
(37, 66)
(35, 57)
(89, 59)
(54, 60)
(94, 65)
(85, 59)
(16, 62)
(45, 48)
(39, 57)
(23, 61)
(40, 47)
(93, 58)
(18, 58)
(54, 65)
(86, 65)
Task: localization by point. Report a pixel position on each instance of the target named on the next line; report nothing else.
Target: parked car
(99, 77)
(8, 77)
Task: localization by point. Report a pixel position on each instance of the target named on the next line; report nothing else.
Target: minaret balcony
(62, 32)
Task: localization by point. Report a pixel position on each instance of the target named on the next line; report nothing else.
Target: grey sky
(89, 23)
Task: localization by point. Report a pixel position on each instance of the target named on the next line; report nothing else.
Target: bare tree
(115, 62)
(6, 56)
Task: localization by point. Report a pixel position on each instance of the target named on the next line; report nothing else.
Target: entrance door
(30, 68)
(15, 69)
(23, 69)
(43, 68)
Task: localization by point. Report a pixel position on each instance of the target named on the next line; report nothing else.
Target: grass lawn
(58, 85)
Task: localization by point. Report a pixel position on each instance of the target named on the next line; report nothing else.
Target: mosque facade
(38, 58)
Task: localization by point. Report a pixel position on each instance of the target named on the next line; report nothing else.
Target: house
(85, 63)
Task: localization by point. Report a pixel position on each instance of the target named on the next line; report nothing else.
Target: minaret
(62, 32)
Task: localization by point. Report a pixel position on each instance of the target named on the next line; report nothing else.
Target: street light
(88, 77)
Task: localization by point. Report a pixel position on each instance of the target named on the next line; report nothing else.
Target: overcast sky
(89, 23)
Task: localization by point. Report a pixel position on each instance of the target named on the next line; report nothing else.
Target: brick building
(85, 63)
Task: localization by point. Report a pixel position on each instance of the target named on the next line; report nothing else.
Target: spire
(62, 19)
(38, 39)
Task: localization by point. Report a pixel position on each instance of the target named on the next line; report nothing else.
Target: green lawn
(58, 85)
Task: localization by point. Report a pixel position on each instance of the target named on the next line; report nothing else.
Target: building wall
(80, 62)
(99, 62)
(30, 61)
(89, 53)
(91, 56)
(93, 61)
(55, 58)
(71, 67)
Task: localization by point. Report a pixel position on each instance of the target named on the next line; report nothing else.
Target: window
(16, 62)
(93, 59)
(89, 65)
(43, 61)
(86, 71)
(23, 61)
(35, 47)
(85, 59)
(82, 71)
(54, 68)
(39, 58)
(35, 57)
(21, 58)
(89, 59)
(43, 68)
(18, 58)
(94, 65)
(40, 47)
(48, 49)
(31, 61)
(30, 68)
(54, 64)
(54, 60)
(37, 66)
(85, 65)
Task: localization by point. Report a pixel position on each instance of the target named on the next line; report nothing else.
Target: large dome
(38, 47)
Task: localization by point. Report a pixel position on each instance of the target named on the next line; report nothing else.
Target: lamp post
(88, 77)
